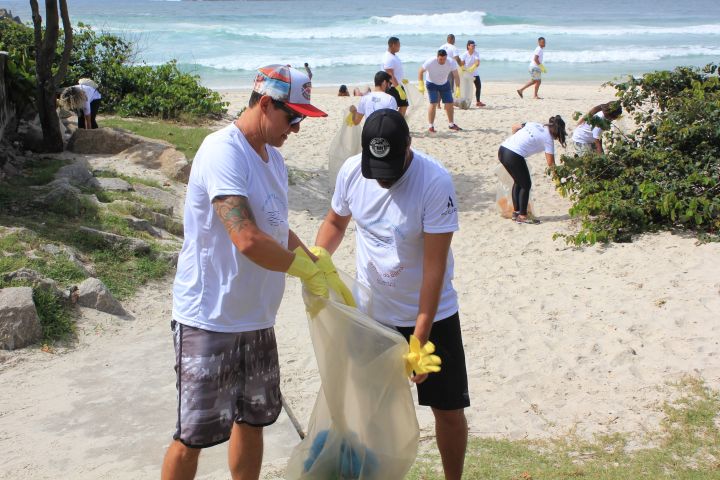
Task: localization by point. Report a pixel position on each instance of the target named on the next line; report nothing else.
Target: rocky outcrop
(19, 321)
(78, 175)
(112, 240)
(60, 197)
(93, 293)
(102, 141)
(114, 184)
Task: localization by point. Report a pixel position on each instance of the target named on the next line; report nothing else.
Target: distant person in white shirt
(433, 74)
(471, 61)
(405, 210)
(528, 139)
(588, 137)
(454, 53)
(536, 69)
(375, 100)
(392, 64)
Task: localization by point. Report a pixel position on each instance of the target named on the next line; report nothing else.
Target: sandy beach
(557, 338)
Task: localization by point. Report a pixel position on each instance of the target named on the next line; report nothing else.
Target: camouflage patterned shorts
(223, 378)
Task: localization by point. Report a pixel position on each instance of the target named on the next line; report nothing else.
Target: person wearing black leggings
(471, 59)
(527, 139)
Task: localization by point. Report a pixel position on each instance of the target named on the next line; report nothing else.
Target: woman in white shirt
(587, 136)
(527, 139)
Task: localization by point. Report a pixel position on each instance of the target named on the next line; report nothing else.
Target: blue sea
(224, 41)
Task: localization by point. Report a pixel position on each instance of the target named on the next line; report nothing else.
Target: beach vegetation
(128, 88)
(662, 175)
(686, 446)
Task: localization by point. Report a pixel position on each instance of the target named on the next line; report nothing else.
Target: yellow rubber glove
(421, 86)
(325, 264)
(457, 91)
(310, 275)
(462, 68)
(401, 92)
(471, 69)
(349, 120)
(405, 81)
(421, 359)
(542, 68)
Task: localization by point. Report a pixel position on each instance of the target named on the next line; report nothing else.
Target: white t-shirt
(586, 133)
(451, 50)
(216, 287)
(376, 101)
(393, 61)
(532, 138)
(436, 73)
(389, 235)
(469, 61)
(539, 52)
(91, 94)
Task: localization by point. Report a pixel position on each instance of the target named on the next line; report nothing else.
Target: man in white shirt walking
(405, 211)
(375, 100)
(392, 64)
(437, 70)
(536, 69)
(454, 53)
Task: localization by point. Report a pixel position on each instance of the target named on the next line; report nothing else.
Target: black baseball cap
(385, 138)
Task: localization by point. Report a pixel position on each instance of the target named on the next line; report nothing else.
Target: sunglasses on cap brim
(293, 117)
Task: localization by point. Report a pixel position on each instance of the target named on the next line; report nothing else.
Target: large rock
(78, 175)
(161, 156)
(35, 279)
(134, 245)
(61, 197)
(101, 141)
(93, 293)
(19, 321)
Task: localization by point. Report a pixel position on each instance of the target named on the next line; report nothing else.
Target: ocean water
(224, 41)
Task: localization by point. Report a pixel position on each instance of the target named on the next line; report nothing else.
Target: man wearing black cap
(405, 211)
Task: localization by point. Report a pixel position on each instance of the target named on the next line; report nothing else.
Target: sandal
(515, 215)
(528, 220)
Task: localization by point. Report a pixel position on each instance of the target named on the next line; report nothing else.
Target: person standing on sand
(471, 60)
(231, 277)
(528, 139)
(536, 69)
(376, 100)
(392, 64)
(453, 53)
(438, 87)
(405, 210)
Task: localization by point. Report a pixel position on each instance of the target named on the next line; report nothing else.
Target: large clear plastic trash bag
(503, 193)
(344, 145)
(363, 425)
(467, 91)
(416, 101)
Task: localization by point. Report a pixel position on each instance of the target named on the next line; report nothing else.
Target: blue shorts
(442, 91)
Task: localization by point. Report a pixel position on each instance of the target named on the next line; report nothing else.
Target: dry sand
(557, 338)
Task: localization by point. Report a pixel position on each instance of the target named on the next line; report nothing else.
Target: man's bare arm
(236, 215)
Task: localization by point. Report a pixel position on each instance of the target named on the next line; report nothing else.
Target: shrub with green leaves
(664, 174)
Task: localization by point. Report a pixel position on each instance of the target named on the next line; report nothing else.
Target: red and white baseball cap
(287, 85)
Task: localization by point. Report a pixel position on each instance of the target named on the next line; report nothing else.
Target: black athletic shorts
(448, 388)
(393, 93)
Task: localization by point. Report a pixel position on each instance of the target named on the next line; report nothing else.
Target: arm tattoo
(234, 211)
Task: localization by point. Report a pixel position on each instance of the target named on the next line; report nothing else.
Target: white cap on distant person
(287, 85)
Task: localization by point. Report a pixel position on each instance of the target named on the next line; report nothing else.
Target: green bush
(665, 174)
(18, 41)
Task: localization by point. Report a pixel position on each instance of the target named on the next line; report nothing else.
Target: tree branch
(67, 29)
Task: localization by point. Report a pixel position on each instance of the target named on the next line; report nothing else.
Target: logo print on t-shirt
(379, 147)
(272, 207)
(451, 208)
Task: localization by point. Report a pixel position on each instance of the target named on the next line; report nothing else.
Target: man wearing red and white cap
(231, 277)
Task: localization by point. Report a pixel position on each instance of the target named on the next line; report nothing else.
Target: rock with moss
(60, 197)
(19, 321)
(134, 245)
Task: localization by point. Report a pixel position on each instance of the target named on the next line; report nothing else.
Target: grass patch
(687, 447)
(109, 197)
(122, 272)
(128, 178)
(15, 194)
(55, 317)
(186, 139)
